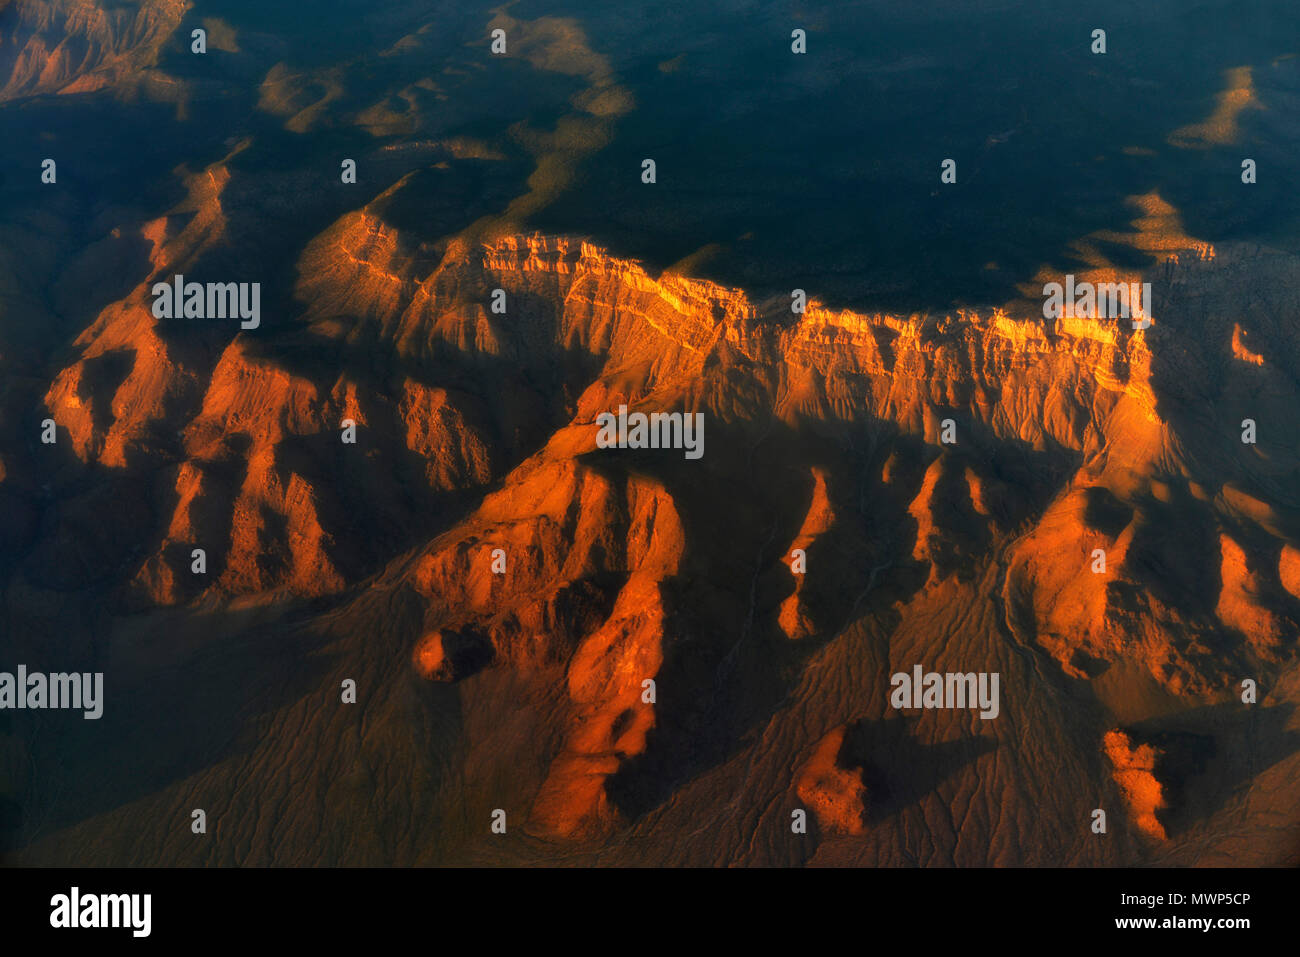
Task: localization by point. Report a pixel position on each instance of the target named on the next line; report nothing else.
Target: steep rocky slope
(79, 46)
(365, 586)
(611, 646)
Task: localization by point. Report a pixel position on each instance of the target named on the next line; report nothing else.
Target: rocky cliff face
(1068, 503)
(80, 46)
(362, 579)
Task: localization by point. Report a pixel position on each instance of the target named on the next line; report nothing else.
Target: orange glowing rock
(1240, 350)
(1134, 773)
(1239, 599)
(429, 657)
(835, 794)
(1288, 568)
(793, 617)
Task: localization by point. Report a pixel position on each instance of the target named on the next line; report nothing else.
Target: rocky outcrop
(836, 794)
(80, 46)
(1134, 768)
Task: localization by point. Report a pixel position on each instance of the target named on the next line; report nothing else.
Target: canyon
(434, 597)
(478, 432)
